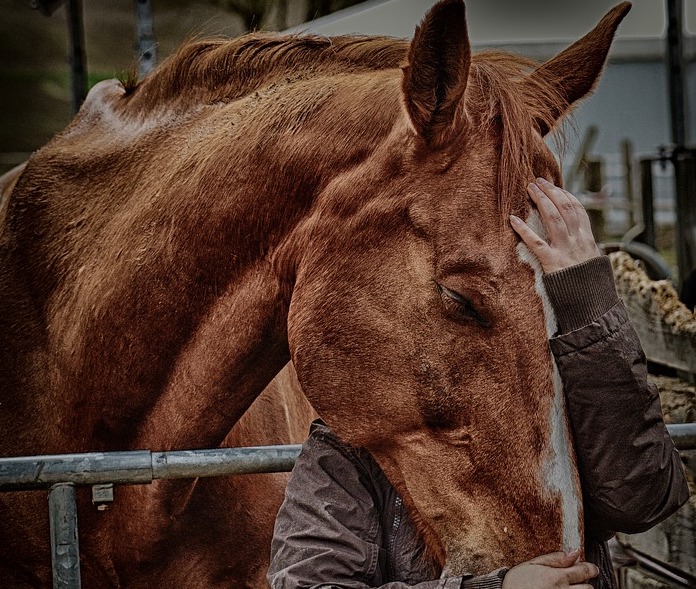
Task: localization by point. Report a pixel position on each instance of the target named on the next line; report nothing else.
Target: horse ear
(434, 79)
(575, 71)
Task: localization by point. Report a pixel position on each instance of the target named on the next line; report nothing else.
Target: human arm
(631, 473)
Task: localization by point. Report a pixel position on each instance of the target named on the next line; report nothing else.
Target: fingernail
(515, 220)
(532, 186)
(542, 181)
(574, 552)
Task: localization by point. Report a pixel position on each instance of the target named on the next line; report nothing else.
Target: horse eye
(460, 306)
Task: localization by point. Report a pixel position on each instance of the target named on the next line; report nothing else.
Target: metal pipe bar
(647, 236)
(223, 461)
(660, 568)
(141, 466)
(675, 62)
(683, 435)
(65, 548)
(685, 196)
(90, 468)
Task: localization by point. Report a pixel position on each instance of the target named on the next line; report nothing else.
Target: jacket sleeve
(327, 532)
(631, 473)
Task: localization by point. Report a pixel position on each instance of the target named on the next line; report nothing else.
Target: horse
(341, 203)
(7, 183)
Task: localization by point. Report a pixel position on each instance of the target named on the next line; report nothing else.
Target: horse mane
(220, 70)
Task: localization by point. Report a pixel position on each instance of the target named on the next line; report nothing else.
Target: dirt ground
(678, 399)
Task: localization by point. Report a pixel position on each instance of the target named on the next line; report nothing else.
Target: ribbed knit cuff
(582, 293)
(492, 580)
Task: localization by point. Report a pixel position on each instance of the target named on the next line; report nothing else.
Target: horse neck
(279, 176)
(168, 308)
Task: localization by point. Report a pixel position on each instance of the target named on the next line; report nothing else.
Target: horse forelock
(502, 93)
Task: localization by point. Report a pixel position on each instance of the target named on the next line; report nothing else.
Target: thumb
(558, 559)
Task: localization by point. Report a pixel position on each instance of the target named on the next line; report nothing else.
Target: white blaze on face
(559, 474)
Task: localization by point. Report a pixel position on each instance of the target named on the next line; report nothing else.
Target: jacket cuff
(492, 580)
(582, 293)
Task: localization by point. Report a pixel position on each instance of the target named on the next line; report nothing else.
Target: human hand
(569, 235)
(557, 570)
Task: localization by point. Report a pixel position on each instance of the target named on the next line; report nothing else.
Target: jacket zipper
(392, 540)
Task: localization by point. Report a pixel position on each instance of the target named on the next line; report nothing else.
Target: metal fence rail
(60, 473)
(141, 466)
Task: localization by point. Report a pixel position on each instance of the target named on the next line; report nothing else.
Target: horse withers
(342, 202)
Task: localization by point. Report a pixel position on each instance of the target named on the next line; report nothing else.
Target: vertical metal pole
(65, 550)
(78, 68)
(675, 68)
(147, 49)
(682, 158)
(646, 192)
(685, 234)
(627, 152)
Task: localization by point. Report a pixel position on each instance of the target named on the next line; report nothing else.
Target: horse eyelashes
(461, 307)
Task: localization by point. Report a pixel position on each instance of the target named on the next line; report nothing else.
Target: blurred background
(35, 90)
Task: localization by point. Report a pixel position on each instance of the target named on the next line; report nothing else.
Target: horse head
(418, 323)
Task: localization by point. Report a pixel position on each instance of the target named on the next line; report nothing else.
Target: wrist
(493, 580)
(582, 293)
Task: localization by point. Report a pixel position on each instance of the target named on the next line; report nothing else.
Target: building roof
(537, 28)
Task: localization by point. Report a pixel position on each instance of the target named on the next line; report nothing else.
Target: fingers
(569, 239)
(558, 570)
(536, 244)
(561, 199)
(550, 204)
(560, 210)
(557, 559)
(569, 566)
(581, 572)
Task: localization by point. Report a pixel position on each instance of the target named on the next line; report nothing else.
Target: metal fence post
(684, 161)
(147, 47)
(647, 236)
(78, 66)
(65, 551)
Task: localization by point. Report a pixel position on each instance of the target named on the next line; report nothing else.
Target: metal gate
(60, 473)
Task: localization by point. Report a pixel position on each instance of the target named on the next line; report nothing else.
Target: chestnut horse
(341, 202)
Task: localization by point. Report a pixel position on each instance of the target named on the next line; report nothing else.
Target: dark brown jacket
(343, 525)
